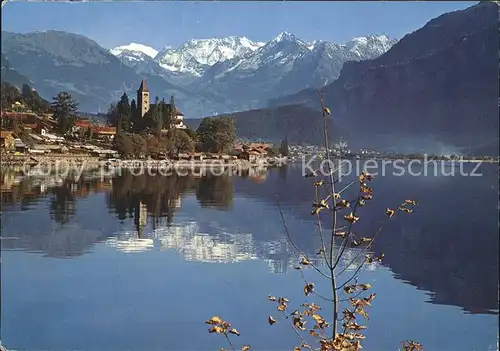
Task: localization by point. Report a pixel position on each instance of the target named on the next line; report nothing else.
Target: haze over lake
(139, 263)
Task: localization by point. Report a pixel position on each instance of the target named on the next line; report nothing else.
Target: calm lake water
(139, 263)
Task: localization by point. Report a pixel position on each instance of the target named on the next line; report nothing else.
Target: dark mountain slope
(59, 61)
(299, 124)
(436, 90)
(11, 75)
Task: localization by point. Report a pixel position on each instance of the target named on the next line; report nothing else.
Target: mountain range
(207, 76)
(435, 91)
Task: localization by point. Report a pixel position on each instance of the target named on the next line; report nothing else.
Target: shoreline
(89, 161)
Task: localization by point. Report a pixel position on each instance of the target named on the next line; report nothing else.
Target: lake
(140, 262)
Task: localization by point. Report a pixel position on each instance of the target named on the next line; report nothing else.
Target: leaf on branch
(340, 234)
(297, 348)
(312, 332)
(364, 286)
(234, 331)
(349, 289)
(365, 239)
(362, 312)
(390, 212)
(354, 326)
(348, 314)
(271, 298)
(411, 202)
(324, 204)
(409, 345)
(245, 348)
(351, 218)
(327, 111)
(299, 323)
(316, 210)
(297, 268)
(343, 203)
(294, 313)
(321, 251)
(308, 288)
(367, 197)
(216, 329)
(358, 302)
(366, 189)
(365, 176)
(304, 261)
(369, 298)
(310, 174)
(405, 209)
(336, 196)
(361, 202)
(271, 320)
(319, 183)
(355, 243)
(214, 320)
(380, 257)
(357, 336)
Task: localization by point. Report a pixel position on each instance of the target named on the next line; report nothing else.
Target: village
(35, 138)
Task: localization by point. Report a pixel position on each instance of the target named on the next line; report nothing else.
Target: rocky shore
(56, 163)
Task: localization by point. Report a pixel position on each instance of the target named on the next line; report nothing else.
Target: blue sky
(171, 23)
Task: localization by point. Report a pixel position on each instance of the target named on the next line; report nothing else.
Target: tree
(10, 94)
(112, 115)
(166, 112)
(139, 145)
(157, 117)
(64, 109)
(125, 112)
(123, 144)
(284, 147)
(135, 117)
(154, 147)
(182, 142)
(88, 134)
(217, 134)
(192, 134)
(173, 119)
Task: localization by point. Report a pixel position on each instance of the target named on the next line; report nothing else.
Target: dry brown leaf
(308, 288)
(216, 329)
(364, 286)
(351, 218)
(304, 261)
(234, 331)
(271, 320)
(245, 348)
(363, 313)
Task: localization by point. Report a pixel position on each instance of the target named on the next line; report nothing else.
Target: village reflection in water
(150, 202)
(227, 219)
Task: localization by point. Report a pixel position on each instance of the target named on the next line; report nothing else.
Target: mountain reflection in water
(448, 247)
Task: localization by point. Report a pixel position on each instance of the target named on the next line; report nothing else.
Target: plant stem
(334, 220)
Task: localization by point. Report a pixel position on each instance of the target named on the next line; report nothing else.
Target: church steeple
(143, 87)
(143, 98)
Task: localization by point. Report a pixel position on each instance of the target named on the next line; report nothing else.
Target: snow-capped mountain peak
(194, 56)
(135, 48)
(370, 45)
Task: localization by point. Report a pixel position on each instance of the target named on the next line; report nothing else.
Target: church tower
(143, 98)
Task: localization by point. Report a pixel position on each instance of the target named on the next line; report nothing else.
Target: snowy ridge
(134, 48)
(198, 56)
